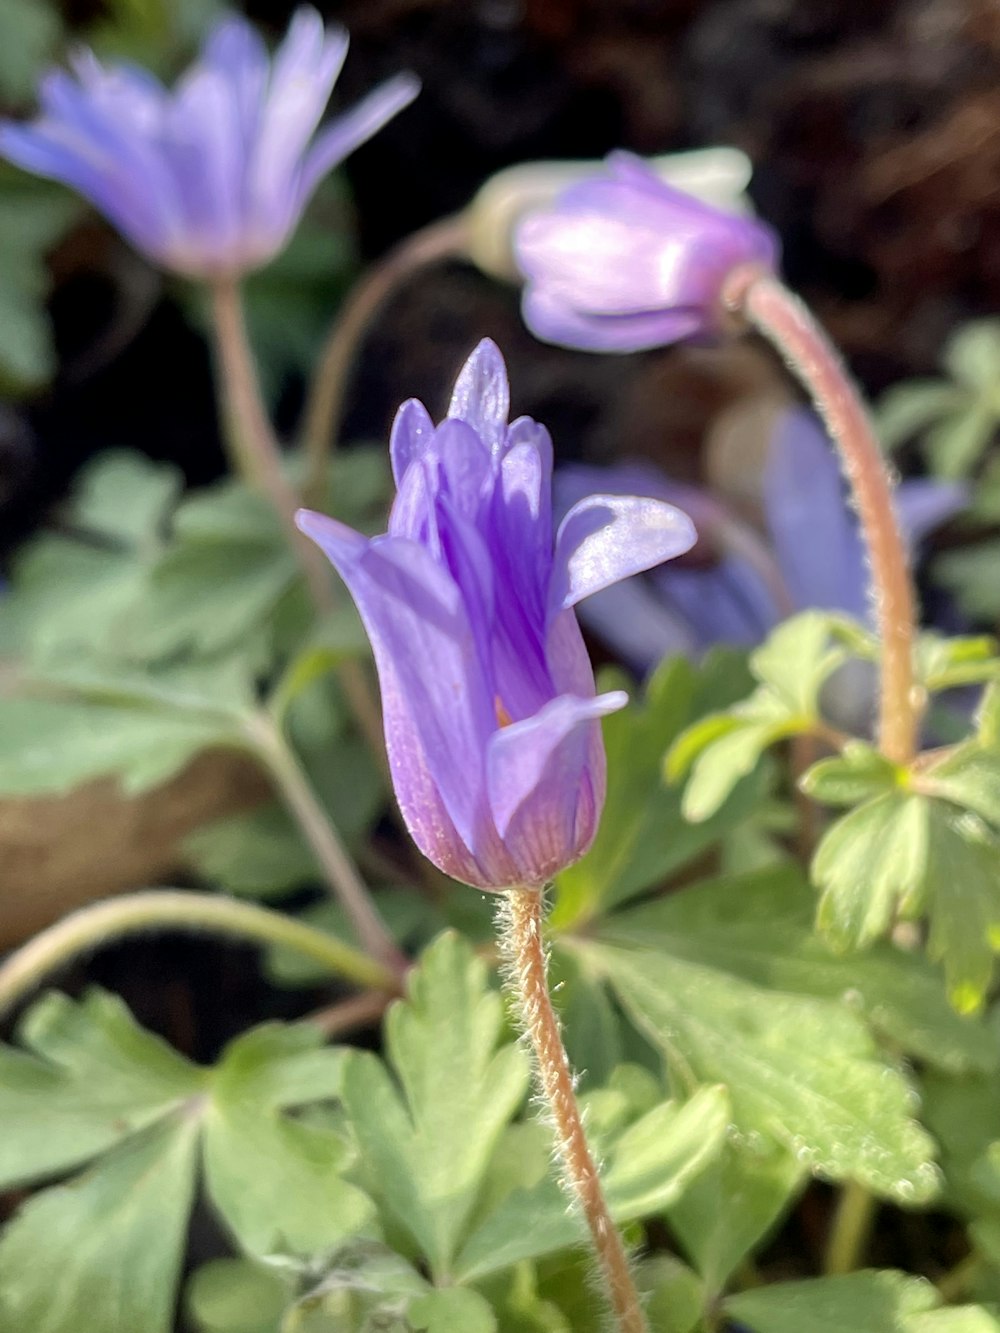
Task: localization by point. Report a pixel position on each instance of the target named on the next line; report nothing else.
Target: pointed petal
(481, 395)
(353, 128)
(546, 783)
(438, 713)
(923, 505)
(606, 538)
(813, 529)
(412, 432)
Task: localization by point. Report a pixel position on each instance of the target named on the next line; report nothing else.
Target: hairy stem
(325, 403)
(851, 1228)
(173, 909)
(521, 938)
(334, 860)
(770, 308)
(256, 455)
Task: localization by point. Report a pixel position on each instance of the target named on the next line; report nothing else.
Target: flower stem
(256, 455)
(852, 1224)
(340, 871)
(173, 909)
(783, 319)
(521, 938)
(325, 403)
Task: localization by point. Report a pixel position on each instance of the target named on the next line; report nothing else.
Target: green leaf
(909, 408)
(426, 1141)
(643, 836)
(649, 1164)
(260, 854)
(955, 445)
(33, 217)
(961, 1112)
(733, 1204)
(958, 1319)
(970, 779)
(867, 1302)
(857, 774)
(868, 863)
(792, 666)
(802, 1070)
(972, 354)
(294, 1200)
(29, 33)
(759, 927)
(125, 497)
(675, 1299)
(87, 1077)
(944, 663)
(48, 747)
(451, 1310)
(911, 855)
(103, 1253)
(970, 574)
(235, 1296)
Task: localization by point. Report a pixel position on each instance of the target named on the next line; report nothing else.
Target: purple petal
(481, 396)
(638, 625)
(923, 505)
(353, 128)
(412, 432)
(554, 320)
(813, 530)
(606, 538)
(545, 778)
(438, 710)
(728, 602)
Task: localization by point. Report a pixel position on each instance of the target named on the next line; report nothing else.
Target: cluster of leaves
(146, 628)
(956, 420)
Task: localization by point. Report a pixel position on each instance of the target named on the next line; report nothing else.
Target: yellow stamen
(503, 717)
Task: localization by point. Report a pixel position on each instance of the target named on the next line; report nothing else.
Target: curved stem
(782, 318)
(325, 403)
(174, 909)
(852, 1224)
(521, 938)
(256, 454)
(340, 871)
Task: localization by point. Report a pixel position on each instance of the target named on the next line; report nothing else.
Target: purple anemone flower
(209, 179)
(623, 261)
(491, 719)
(738, 583)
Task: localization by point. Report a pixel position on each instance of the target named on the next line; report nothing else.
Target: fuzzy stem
(521, 938)
(339, 870)
(325, 403)
(782, 318)
(256, 454)
(852, 1224)
(173, 909)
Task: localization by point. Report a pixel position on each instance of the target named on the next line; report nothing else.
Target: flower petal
(813, 529)
(481, 395)
(545, 778)
(923, 505)
(412, 432)
(553, 319)
(605, 538)
(438, 711)
(353, 128)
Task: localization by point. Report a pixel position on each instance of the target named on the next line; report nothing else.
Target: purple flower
(211, 178)
(623, 261)
(491, 719)
(737, 583)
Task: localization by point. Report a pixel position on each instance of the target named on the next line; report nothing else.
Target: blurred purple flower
(623, 261)
(211, 178)
(737, 584)
(491, 719)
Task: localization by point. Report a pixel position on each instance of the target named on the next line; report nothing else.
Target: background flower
(623, 261)
(491, 718)
(212, 177)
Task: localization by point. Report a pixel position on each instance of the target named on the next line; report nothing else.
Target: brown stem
(331, 854)
(521, 937)
(325, 404)
(257, 456)
(357, 1011)
(783, 319)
